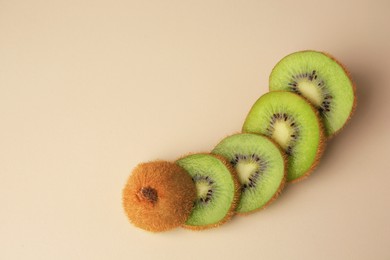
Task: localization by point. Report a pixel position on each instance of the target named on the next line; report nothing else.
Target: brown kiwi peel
(158, 196)
(235, 201)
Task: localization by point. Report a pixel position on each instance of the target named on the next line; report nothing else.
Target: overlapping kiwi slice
(292, 123)
(217, 190)
(260, 165)
(322, 80)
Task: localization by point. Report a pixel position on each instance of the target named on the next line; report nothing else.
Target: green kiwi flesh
(217, 190)
(260, 165)
(320, 79)
(292, 123)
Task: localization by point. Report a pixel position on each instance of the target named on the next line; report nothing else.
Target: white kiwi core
(310, 91)
(201, 188)
(245, 169)
(282, 133)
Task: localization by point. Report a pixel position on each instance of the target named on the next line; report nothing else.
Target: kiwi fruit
(261, 169)
(312, 97)
(158, 196)
(322, 80)
(217, 189)
(293, 124)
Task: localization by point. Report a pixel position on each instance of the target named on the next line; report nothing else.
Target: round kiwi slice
(217, 190)
(158, 196)
(260, 165)
(292, 123)
(322, 80)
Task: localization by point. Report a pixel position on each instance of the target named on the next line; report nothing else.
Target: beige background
(88, 89)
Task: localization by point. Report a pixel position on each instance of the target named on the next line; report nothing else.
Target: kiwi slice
(294, 124)
(260, 165)
(217, 190)
(322, 80)
(158, 196)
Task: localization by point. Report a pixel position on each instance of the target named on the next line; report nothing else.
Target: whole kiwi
(158, 196)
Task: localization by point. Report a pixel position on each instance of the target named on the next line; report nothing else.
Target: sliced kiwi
(217, 190)
(292, 123)
(158, 196)
(260, 165)
(322, 80)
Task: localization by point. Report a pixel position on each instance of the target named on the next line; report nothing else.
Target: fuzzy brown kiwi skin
(144, 211)
(281, 186)
(236, 198)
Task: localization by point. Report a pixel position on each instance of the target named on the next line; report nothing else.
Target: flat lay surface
(89, 89)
